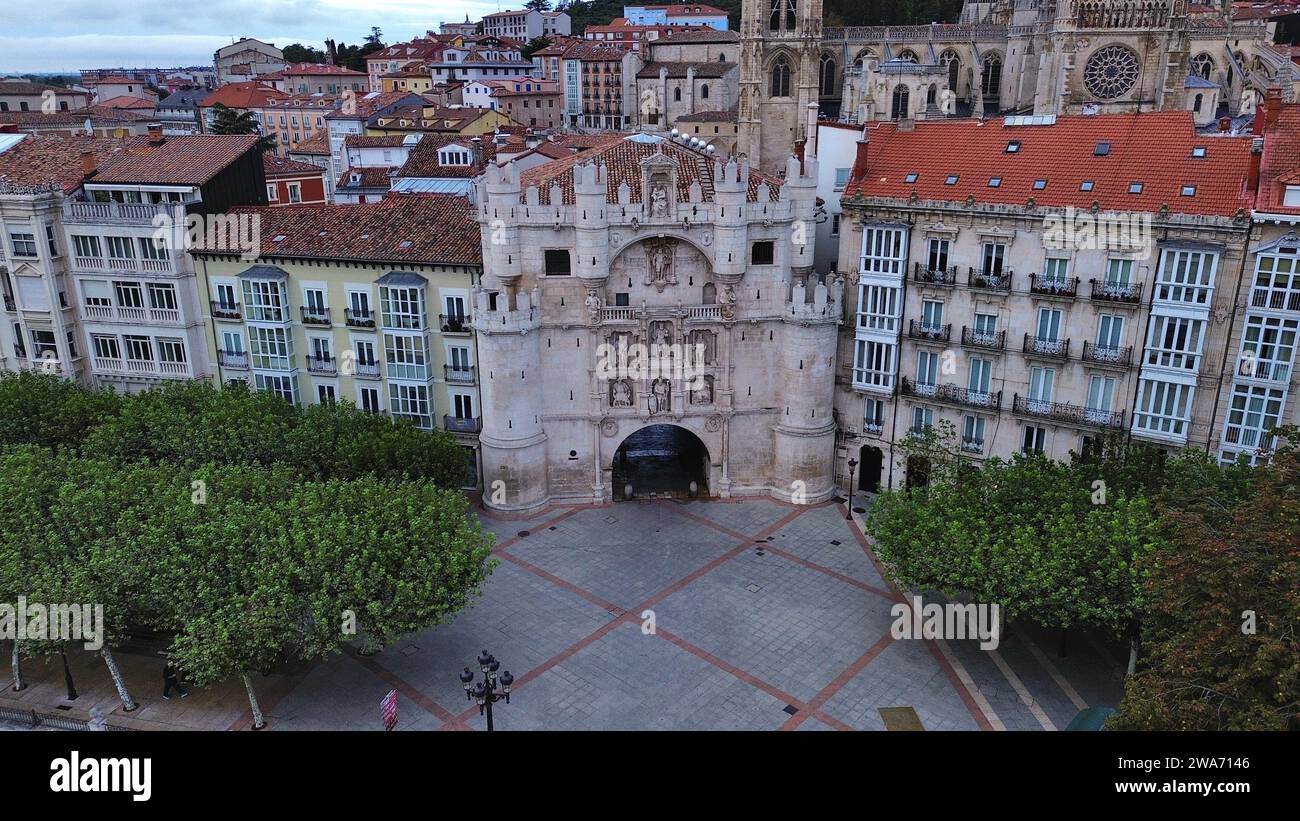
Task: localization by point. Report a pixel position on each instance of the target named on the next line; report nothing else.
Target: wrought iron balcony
(1046, 348)
(989, 280)
(1067, 287)
(934, 276)
(226, 310)
(873, 426)
(460, 376)
(952, 394)
(1126, 293)
(358, 319)
(1065, 412)
(233, 359)
(322, 364)
(461, 424)
(454, 323)
(972, 444)
(315, 316)
(1107, 355)
(928, 333)
(990, 341)
(365, 370)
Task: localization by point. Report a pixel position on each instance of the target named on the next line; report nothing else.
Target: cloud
(165, 33)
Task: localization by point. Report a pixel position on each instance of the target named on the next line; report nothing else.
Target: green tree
(47, 410)
(1222, 633)
(533, 46)
(298, 53)
(227, 120)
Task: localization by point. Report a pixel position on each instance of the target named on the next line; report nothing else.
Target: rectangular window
(1101, 395)
(410, 402)
(938, 254)
(842, 178)
(932, 315)
(1186, 276)
(1267, 347)
(992, 259)
(171, 351)
(883, 251)
(105, 347)
(1041, 382)
(557, 262)
(1253, 412)
(84, 246)
(119, 248)
(1175, 342)
(285, 387)
(873, 364)
(406, 356)
(138, 348)
(1049, 325)
(23, 243)
(986, 325)
(878, 307)
(972, 434)
(368, 400)
(1035, 440)
(1110, 331)
(1119, 271)
(763, 253)
(981, 376)
(129, 294)
(402, 308)
(265, 301)
(1277, 281)
(873, 414)
(922, 419)
(927, 368)
(1163, 408)
(153, 248)
(271, 348)
(325, 395)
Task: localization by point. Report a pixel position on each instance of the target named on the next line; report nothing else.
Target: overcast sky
(67, 35)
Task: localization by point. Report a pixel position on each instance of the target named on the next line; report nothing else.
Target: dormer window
(1291, 197)
(453, 156)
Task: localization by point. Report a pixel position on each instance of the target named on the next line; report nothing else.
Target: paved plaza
(642, 615)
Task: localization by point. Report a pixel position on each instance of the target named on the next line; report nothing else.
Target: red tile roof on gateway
(956, 159)
(1280, 164)
(427, 229)
(622, 158)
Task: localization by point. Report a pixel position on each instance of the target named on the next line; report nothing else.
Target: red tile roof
(56, 161)
(276, 165)
(423, 159)
(1153, 148)
(1280, 163)
(319, 144)
(192, 159)
(428, 229)
(364, 106)
(98, 116)
(242, 95)
(622, 158)
(374, 140)
(378, 177)
(127, 101)
(319, 69)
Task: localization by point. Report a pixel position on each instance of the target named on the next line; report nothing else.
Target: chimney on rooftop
(1252, 172)
(1267, 112)
(1225, 123)
(88, 164)
(155, 134)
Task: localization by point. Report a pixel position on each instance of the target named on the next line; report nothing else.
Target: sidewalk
(218, 707)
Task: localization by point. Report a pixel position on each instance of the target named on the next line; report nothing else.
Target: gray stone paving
(734, 643)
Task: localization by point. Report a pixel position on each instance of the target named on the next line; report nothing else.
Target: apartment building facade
(527, 24)
(364, 303)
(1056, 279)
(297, 118)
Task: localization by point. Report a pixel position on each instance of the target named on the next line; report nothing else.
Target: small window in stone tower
(557, 263)
(763, 253)
(621, 299)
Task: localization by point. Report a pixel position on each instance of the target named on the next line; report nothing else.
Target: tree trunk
(16, 662)
(67, 678)
(127, 704)
(1132, 655)
(258, 721)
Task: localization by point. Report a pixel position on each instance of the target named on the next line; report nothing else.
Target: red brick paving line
(837, 684)
(269, 703)
(935, 652)
(630, 615)
(834, 574)
(449, 719)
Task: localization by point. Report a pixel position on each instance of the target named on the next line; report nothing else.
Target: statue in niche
(727, 301)
(620, 393)
(702, 394)
(660, 397)
(659, 265)
(705, 343)
(661, 333)
(659, 199)
(593, 305)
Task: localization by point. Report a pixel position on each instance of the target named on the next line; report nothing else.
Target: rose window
(1111, 72)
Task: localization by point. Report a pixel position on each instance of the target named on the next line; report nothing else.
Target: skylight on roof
(1039, 185)
(1101, 149)
(1189, 191)
(278, 238)
(952, 180)
(1135, 187)
(910, 177)
(1198, 151)
(1013, 146)
(995, 182)
(1086, 185)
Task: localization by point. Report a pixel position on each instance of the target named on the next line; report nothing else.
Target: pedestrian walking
(172, 680)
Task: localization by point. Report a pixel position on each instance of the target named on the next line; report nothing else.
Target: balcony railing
(1065, 412)
(366, 370)
(618, 313)
(88, 263)
(988, 280)
(116, 211)
(462, 424)
(233, 359)
(454, 323)
(226, 310)
(873, 426)
(322, 365)
(986, 340)
(1108, 355)
(972, 444)
(139, 367)
(124, 313)
(1128, 293)
(953, 394)
(1054, 286)
(315, 316)
(358, 319)
(934, 276)
(1276, 300)
(461, 376)
(929, 333)
(1049, 348)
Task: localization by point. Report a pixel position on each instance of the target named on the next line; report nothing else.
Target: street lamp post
(848, 513)
(485, 692)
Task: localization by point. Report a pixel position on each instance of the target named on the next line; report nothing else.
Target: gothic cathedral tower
(780, 50)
